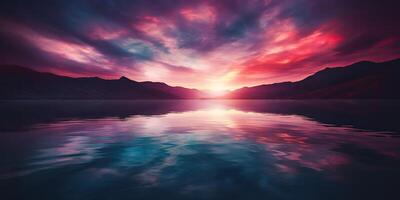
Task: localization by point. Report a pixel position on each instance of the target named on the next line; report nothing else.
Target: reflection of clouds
(75, 150)
(290, 139)
(154, 125)
(138, 154)
(152, 175)
(103, 172)
(161, 148)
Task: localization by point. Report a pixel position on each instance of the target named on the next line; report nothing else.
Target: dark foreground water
(200, 150)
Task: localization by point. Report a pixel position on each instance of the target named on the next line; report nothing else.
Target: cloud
(197, 43)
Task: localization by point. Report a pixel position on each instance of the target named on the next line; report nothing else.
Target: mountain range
(23, 83)
(362, 80)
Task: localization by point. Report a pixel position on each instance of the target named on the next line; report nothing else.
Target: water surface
(193, 149)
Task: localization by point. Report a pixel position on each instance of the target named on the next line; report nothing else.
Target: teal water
(199, 149)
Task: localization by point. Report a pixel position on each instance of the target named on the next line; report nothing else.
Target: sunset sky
(204, 44)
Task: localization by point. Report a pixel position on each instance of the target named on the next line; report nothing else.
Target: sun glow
(218, 89)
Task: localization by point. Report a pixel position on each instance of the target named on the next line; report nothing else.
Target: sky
(203, 44)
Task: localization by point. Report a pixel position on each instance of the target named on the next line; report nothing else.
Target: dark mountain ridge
(363, 80)
(22, 83)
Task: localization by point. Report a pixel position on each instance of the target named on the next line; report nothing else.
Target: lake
(200, 149)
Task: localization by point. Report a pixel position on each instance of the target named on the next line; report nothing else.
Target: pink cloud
(203, 13)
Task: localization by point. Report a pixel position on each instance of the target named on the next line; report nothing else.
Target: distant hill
(362, 80)
(22, 83)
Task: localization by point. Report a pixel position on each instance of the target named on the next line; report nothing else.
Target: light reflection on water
(211, 152)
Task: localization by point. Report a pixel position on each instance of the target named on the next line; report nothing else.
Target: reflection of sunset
(288, 138)
(198, 146)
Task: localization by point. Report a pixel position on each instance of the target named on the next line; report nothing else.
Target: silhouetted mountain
(364, 80)
(360, 80)
(23, 83)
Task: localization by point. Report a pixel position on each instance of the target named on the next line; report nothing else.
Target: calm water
(200, 150)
